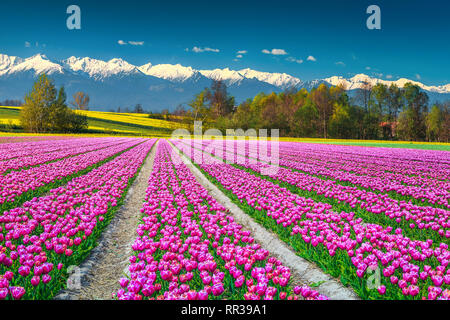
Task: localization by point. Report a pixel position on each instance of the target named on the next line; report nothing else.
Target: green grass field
(103, 123)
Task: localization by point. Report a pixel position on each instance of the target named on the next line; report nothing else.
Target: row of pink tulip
(27, 148)
(70, 148)
(370, 172)
(17, 183)
(421, 189)
(340, 242)
(41, 239)
(411, 216)
(18, 139)
(408, 162)
(188, 247)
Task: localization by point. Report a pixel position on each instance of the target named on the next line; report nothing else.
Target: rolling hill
(103, 123)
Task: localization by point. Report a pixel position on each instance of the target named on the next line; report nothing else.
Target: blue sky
(413, 41)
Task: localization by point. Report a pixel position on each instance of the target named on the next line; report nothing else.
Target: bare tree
(81, 100)
(363, 95)
(322, 99)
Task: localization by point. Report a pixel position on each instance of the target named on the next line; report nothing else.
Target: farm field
(107, 122)
(345, 222)
(134, 124)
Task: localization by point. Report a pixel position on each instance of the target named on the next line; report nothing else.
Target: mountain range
(116, 82)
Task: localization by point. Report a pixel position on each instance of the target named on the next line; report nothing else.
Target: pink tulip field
(190, 248)
(347, 229)
(377, 220)
(46, 234)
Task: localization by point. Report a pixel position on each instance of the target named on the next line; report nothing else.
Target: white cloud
(275, 52)
(418, 77)
(133, 43)
(311, 58)
(204, 49)
(367, 68)
(389, 76)
(27, 44)
(292, 59)
(340, 63)
(239, 56)
(242, 52)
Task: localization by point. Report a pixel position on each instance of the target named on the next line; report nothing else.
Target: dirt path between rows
(302, 270)
(99, 275)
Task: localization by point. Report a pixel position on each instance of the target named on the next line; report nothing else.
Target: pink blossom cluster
(419, 217)
(69, 148)
(188, 247)
(31, 139)
(39, 240)
(16, 183)
(24, 147)
(374, 161)
(426, 178)
(343, 237)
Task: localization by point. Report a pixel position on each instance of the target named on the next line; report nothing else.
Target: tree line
(11, 103)
(373, 112)
(45, 109)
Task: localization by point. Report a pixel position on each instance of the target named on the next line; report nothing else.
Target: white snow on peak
(99, 69)
(172, 72)
(230, 76)
(38, 63)
(7, 62)
(282, 80)
(359, 80)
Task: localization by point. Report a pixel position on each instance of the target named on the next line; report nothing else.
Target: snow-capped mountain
(359, 80)
(170, 72)
(36, 64)
(229, 76)
(116, 82)
(6, 62)
(98, 69)
(281, 80)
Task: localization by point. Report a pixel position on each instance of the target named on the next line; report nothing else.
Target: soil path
(302, 270)
(99, 275)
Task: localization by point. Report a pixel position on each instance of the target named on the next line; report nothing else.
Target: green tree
(45, 110)
(34, 116)
(405, 127)
(243, 116)
(306, 118)
(434, 124)
(340, 122)
(417, 104)
(59, 115)
(199, 109)
(323, 101)
(395, 102)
